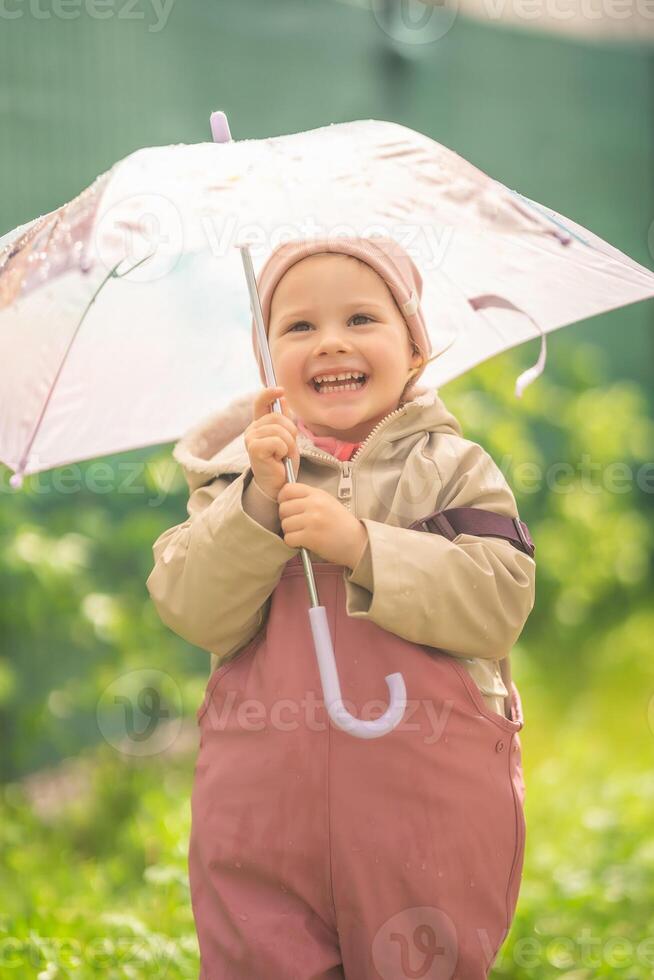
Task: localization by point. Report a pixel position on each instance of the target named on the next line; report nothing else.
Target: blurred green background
(94, 839)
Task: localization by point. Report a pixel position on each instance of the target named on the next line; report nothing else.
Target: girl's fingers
(277, 447)
(271, 431)
(267, 396)
(276, 418)
(263, 404)
(291, 524)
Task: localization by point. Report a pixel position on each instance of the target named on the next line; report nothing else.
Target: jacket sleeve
(470, 596)
(214, 573)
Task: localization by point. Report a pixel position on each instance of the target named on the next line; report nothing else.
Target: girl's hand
(311, 518)
(268, 439)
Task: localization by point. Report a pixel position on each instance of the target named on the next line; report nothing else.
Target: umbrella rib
(620, 270)
(555, 221)
(616, 259)
(112, 274)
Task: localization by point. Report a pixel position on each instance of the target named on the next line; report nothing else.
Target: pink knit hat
(384, 255)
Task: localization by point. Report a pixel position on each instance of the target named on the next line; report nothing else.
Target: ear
(416, 355)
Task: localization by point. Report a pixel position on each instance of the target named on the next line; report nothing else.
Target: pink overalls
(315, 854)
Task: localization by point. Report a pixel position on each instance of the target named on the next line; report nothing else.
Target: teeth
(336, 377)
(341, 387)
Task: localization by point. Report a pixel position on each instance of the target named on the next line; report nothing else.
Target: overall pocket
(513, 724)
(223, 669)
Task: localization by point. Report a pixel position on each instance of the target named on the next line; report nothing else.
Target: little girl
(313, 853)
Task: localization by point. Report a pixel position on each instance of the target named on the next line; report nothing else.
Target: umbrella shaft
(306, 561)
(269, 371)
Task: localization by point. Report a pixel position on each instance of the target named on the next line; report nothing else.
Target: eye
(303, 323)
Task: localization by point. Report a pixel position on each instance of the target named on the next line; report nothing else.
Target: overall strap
(473, 520)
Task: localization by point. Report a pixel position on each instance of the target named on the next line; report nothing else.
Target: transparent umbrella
(123, 317)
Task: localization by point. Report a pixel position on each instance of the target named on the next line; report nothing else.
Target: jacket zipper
(345, 484)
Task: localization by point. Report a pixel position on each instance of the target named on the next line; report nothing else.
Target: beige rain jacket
(214, 573)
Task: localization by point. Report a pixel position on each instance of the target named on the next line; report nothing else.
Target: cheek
(289, 366)
(387, 357)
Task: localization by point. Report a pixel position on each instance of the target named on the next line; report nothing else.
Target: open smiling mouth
(349, 386)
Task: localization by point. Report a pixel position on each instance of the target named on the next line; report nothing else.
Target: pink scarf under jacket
(338, 448)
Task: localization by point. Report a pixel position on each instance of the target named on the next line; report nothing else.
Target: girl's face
(330, 314)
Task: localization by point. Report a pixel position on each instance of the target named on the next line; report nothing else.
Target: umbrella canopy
(124, 315)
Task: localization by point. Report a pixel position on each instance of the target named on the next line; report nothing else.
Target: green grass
(101, 888)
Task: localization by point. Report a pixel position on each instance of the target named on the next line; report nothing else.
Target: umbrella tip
(16, 481)
(219, 127)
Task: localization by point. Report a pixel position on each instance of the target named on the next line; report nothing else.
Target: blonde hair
(415, 348)
(406, 391)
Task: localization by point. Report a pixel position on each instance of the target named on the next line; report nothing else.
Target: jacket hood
(215, 445)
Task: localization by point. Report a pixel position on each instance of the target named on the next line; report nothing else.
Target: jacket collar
(215, 445)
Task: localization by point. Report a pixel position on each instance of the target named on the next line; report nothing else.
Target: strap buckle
(444, 526)
(525, 538)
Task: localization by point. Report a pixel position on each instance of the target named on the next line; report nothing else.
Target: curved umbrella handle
(331, 687)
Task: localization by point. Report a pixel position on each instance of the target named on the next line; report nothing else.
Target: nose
(332, 340)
